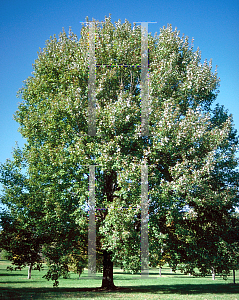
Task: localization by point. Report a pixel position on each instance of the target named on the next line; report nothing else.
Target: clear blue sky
(26, 25)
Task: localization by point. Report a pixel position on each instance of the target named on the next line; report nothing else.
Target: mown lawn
(15, 285)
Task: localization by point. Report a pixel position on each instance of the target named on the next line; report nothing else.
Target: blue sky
(26, 25)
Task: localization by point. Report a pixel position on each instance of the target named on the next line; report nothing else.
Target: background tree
(19, 234)
(183, 151)
(22, 246)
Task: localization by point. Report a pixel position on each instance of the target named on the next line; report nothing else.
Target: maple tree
(187, 151)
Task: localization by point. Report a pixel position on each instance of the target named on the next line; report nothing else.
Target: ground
(15, 285)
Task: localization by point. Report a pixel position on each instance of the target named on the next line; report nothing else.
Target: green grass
(15, 285)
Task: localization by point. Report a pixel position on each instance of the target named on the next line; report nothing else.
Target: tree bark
(107, 281)
(29, 271)
(234, 277)
(213, 274)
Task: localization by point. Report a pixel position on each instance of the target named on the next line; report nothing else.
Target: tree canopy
(190, 152)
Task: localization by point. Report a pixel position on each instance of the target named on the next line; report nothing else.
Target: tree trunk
(107, 281)
(213, 274)
(234, 277)
(160, 271)
(29, 271)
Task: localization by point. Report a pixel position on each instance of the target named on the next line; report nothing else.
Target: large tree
(183, 151)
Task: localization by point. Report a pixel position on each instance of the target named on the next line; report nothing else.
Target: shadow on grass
(181, 289)
(179, 275)
(10, 274)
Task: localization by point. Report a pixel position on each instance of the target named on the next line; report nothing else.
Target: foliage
(19, 235)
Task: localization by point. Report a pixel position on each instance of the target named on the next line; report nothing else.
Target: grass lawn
(15, 285)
